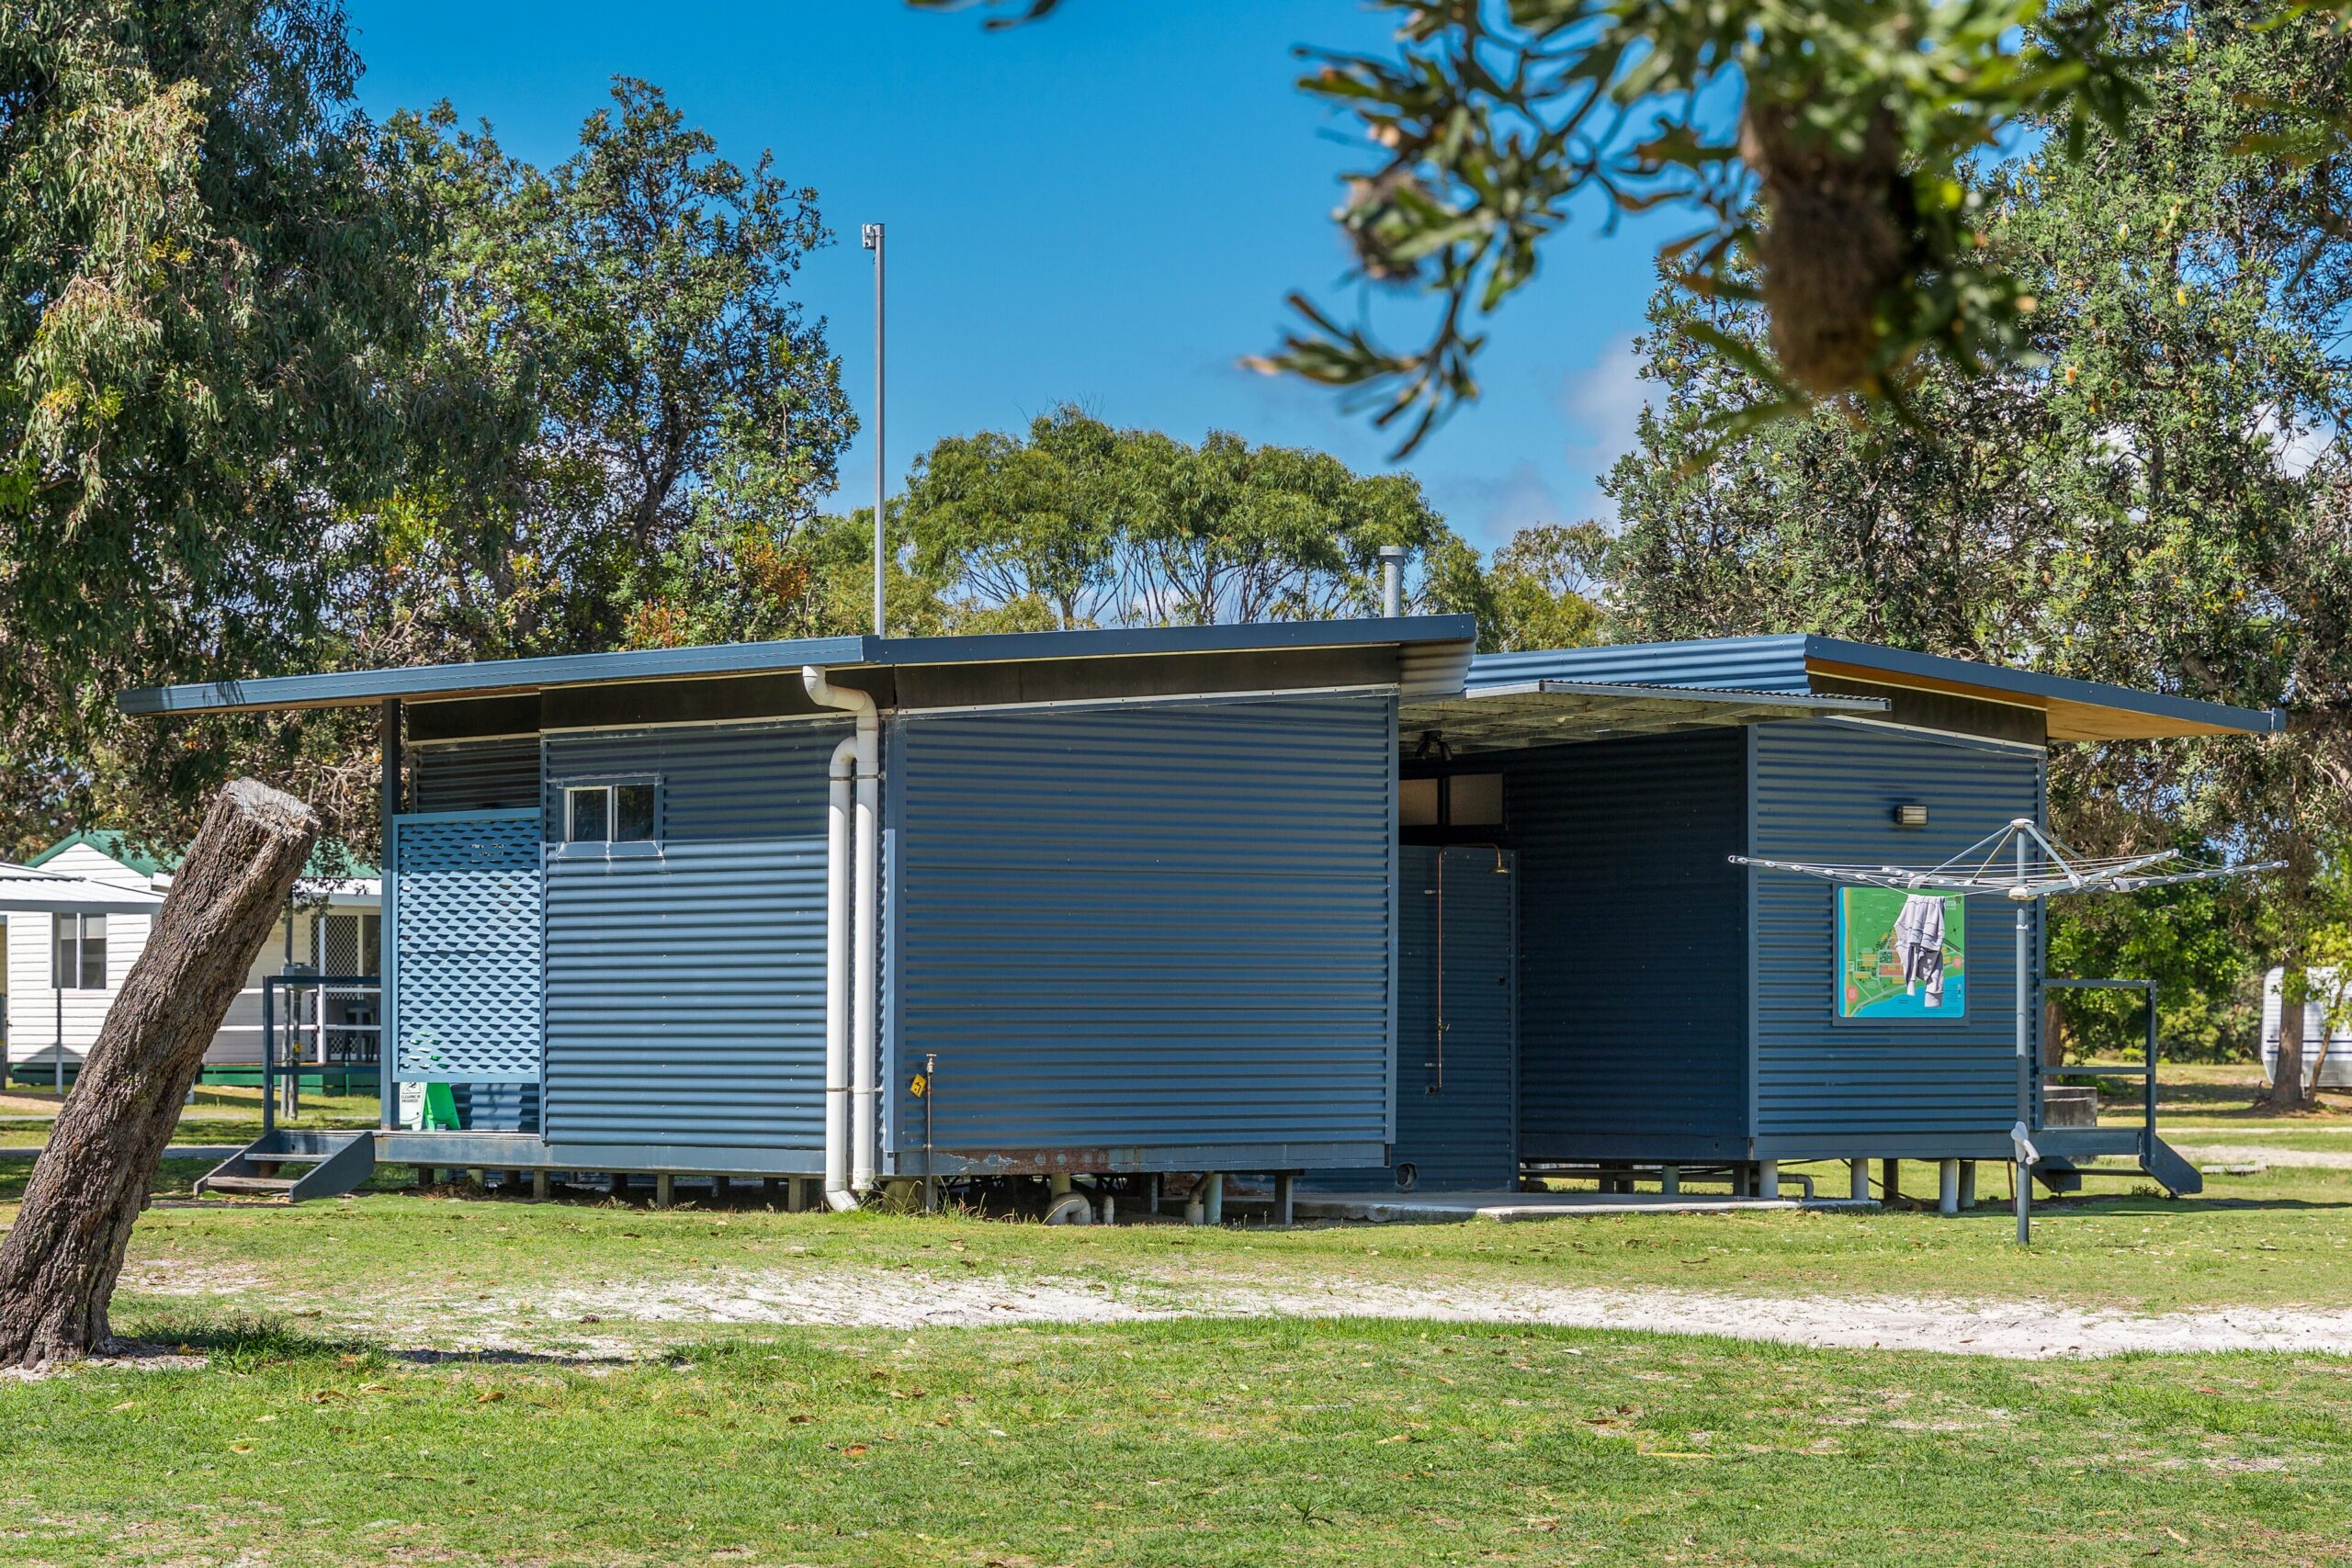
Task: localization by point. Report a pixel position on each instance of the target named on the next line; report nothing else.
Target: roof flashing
(520, 676)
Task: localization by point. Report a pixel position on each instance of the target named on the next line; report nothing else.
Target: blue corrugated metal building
(1329, 896)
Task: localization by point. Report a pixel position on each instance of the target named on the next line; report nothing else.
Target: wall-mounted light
(1911, 815)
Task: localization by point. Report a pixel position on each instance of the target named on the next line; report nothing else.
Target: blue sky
(1106, 208)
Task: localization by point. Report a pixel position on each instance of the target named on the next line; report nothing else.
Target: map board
(1902, 956)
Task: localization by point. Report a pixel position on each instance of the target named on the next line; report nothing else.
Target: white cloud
(2297, 450)
(1603, 402)
(1500, 506)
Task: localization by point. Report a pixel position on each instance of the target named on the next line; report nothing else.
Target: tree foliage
(2159, 499)
(660, 414)
(1824, 144)
(206, 313)
(414, 400)
(1080, 525)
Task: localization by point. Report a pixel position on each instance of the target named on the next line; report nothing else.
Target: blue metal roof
(524, 675)
(1800, 662)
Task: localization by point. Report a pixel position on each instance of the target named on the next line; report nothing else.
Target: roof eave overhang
(1552, 712)
(2072, 709)
(520, 677)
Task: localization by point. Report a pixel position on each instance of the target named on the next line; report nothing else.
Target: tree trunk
(59, 1263)
(2054, 1033)
(2287, 1071)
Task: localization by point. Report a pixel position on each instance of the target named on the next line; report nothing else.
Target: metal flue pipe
(1392, 581)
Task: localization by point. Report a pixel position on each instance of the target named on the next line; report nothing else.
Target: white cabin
(64, 971)
(2336, 1069)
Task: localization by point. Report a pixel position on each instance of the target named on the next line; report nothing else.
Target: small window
(1417, 803)
(1454, 800)
(632, 813)
(612, 813)
(1475, 800)
(79, 963)
(591, 815)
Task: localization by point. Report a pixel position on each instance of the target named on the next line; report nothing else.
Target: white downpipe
(837, 995)
(852, 1134)
(866, 1085)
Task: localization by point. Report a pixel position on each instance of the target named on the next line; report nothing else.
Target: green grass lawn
(451, 1272)
(1183, 1444)
(219, 1114)
(340, 1418)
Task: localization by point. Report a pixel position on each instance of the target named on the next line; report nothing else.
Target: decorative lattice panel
(466, 933)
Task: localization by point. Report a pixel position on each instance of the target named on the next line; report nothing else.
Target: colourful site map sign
(1902, 956)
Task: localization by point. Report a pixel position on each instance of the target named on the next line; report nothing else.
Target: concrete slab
(1385, 1207)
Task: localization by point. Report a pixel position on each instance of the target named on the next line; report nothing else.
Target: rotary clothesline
(2037, 867)
(2041, 867)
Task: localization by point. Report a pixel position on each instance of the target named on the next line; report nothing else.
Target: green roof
(113, 843)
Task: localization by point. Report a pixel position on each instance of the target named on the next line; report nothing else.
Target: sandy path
(606, 1319)
(2252, 1153)
(2030, 1330)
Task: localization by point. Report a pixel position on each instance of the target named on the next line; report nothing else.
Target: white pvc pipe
(851, 1151)
(867, 1070)
(837, 991)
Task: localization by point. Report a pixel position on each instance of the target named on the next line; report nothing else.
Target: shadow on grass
(245, 1343)
(2127, 1204)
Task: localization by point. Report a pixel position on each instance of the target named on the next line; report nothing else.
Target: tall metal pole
(870, 234)
(2025, 1064)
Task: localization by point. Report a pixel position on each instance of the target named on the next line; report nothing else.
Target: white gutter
(852, 1130)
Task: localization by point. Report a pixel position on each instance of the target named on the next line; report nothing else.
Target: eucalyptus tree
(1089, 525)
(1040, 521)
(208, 305)
(650, 414)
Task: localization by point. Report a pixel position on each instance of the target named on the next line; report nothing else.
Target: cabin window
(80, 953)
(351, 942)
(625, 812)
(1417, 803)
(1454, 800)
(1474, 800)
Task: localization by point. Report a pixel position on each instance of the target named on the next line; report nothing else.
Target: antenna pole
(872, 236)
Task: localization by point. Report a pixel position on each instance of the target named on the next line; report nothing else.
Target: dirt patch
(132, 1358)
(192, 1281)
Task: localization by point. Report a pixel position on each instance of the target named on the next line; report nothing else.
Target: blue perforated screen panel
(465, 944)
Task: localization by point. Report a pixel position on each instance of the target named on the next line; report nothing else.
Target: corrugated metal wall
(1131, 928)
(1633, 946)
(1455, 1099)
(1826, 791)
(497, 774)
(685, 989)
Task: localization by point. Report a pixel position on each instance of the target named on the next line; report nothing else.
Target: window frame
(80, 940)
(607, 847)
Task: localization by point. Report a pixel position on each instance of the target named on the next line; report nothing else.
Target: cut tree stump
(60, 1261)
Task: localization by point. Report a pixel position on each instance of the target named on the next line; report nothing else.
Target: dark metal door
(1457, 1078)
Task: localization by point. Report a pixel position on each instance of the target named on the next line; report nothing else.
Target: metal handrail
(269, 988)
(2147, 1073)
